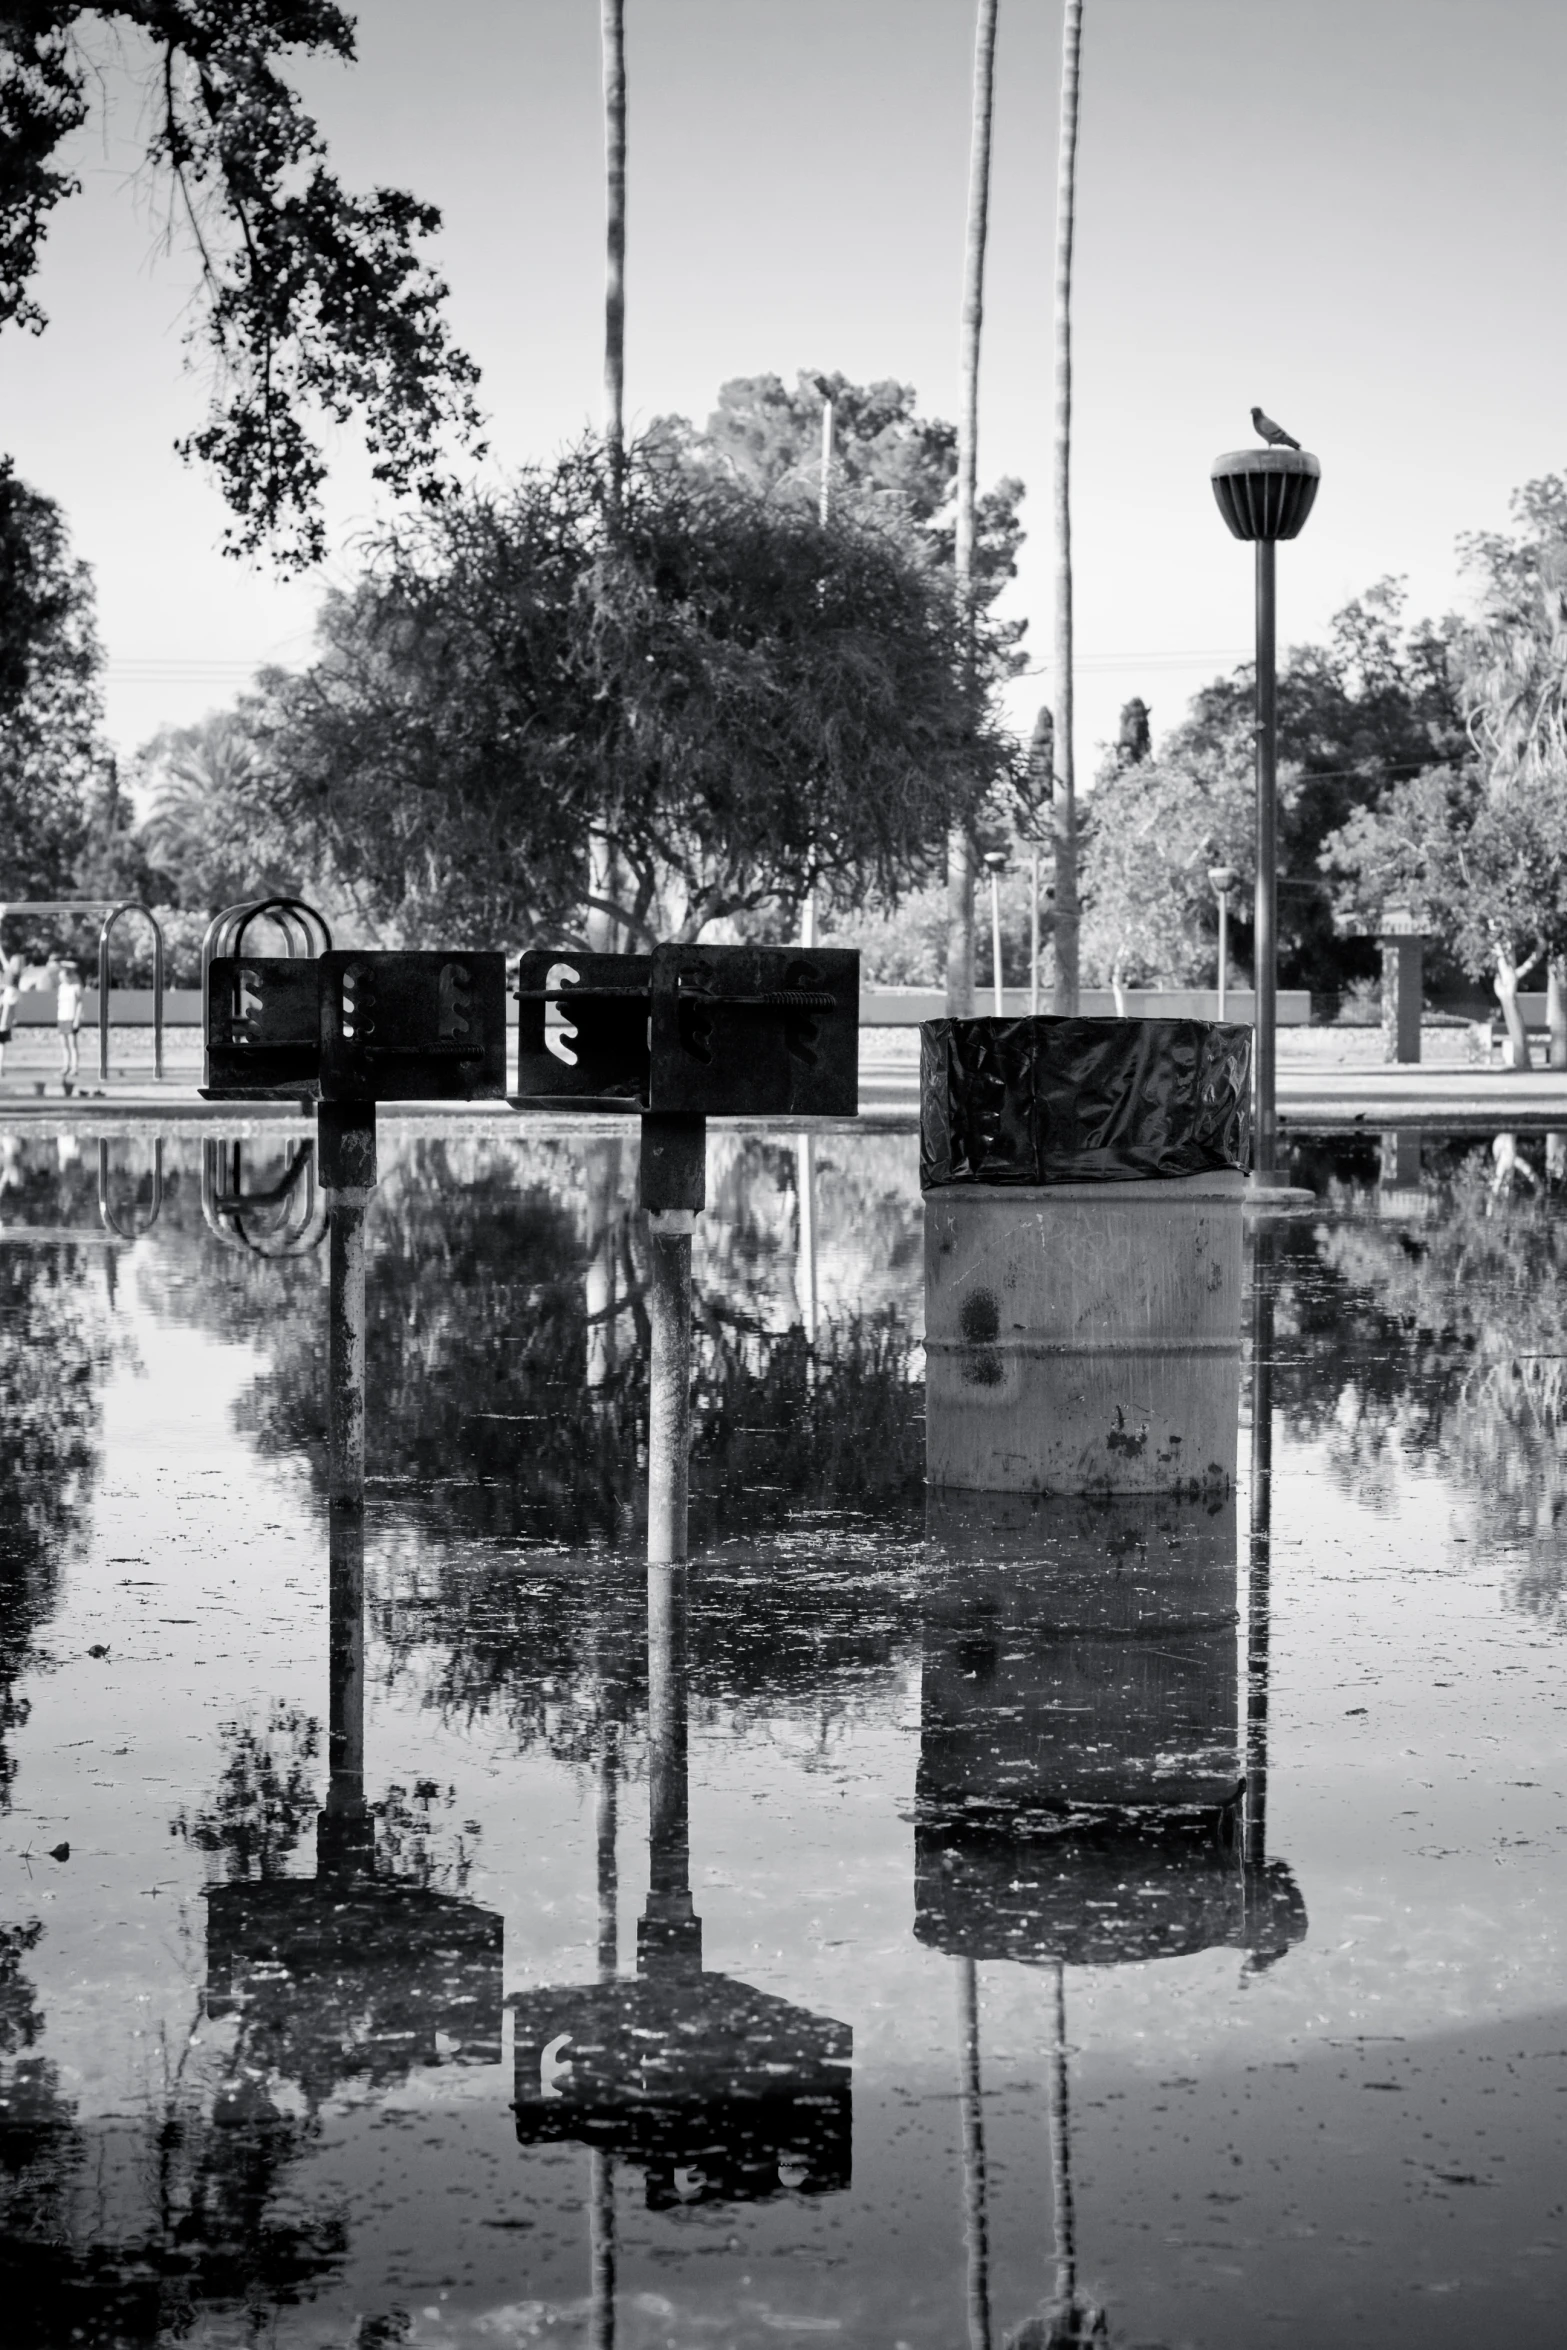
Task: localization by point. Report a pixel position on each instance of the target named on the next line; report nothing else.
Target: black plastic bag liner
(1082, 1101)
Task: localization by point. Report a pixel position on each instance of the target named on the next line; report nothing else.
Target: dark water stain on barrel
(979, 1319)
(1121, 1439)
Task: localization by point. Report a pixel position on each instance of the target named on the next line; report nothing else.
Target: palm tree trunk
(613, 17)
(602, 929)
(1066, 776)
(960, 848)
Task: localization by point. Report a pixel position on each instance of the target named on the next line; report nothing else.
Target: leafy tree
(742, 698)
(53, 762)
(892, 469)
(1156, 827)
(1486, 871)
(1378, 702)
(315, 303)
(1513, 670)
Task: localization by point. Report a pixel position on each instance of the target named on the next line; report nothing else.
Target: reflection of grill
(694, 2074)
(340, 1980)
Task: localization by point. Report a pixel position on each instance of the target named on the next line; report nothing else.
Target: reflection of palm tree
(1068, 2319)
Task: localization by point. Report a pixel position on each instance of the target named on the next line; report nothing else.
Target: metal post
(345, 1833)
(976, 2223)
(601, 2248)
(1258, 1596)
(1061, 2154)
(669, 1934)
(995, 939)
(671, 1186)
(1224, 948)
(805, 1234)
(669, 1384)
(1266, 936)
(602, 1186)
(1033, 940)
(346, 1151)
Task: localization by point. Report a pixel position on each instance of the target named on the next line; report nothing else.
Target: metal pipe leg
(669, 1386)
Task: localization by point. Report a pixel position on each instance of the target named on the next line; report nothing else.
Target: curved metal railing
(287, 1219)
(112, 910)
(110, 1221)
(304, 930)
(115, 913)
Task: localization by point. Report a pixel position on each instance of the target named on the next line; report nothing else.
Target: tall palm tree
(960, 847)
(603, 931)
(1066, 773)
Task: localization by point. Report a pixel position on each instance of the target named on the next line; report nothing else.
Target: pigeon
(1274, 434)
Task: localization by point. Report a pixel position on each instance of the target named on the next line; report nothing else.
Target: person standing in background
(69, 993)
(10, 994)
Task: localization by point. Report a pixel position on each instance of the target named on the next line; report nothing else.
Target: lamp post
(1265, 495)
(996, 859)
(1033, 939)
(1223, 879)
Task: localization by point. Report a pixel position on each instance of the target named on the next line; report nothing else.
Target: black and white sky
(1351, 211)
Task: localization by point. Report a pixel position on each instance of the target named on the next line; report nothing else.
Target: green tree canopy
(53, 762)
(740, 698)
(1376, 703)
(315, 305)
(890, 466)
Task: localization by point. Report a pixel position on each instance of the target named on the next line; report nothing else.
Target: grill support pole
(346, 1153)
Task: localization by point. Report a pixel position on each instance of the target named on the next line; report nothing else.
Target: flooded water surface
(925, 1919)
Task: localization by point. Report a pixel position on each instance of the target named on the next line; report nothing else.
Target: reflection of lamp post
(1223, 880)
(1265, 495)
(996, 859)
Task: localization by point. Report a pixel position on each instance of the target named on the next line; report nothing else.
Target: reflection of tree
(1446, 1344)
(52, 1352)
(265, 1798)
(477, 1321)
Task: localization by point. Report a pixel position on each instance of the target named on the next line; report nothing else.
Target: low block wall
(880, 1007)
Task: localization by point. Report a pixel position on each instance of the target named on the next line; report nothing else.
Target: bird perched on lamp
(1274, 434)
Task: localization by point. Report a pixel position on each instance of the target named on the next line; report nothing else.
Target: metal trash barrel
(1083, 1199)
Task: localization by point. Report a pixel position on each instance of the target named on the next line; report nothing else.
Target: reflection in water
(142, 2230)
(715, 2091)
(349, 1975)
(1091, 1787)
(1441, 1341)
(1081, 1799)
(53, 1351)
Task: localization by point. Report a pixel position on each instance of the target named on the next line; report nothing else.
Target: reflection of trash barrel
(1083, 1184)
(1081, 1738)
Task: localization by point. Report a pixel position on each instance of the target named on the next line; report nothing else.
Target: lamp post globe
(1266, 495)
